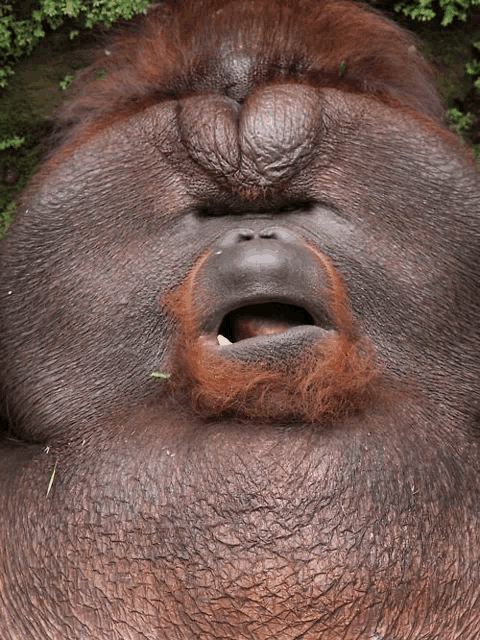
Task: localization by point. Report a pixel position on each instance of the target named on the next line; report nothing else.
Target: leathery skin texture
(239, 341)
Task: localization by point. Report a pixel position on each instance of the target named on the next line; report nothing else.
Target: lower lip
(270, 347)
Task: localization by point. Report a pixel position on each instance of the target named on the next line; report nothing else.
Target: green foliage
(20, 132)
(160, 375)
(66, 82)
(427, 9)
(17, 37)
(23, 25)
(464, 123)
(460, 122)
(6, 217)
(93, 11)
(473, 68)
(13, 142)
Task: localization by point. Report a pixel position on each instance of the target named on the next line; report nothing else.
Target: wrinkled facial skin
(282, 230)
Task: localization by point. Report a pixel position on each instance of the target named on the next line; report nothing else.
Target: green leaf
(160, 375)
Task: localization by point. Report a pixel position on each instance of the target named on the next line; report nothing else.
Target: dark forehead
(229, 47)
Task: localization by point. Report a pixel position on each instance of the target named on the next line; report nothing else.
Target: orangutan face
(239, 322)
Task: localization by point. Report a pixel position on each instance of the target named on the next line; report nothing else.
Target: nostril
(246, 234)
(236, 237)
(269, 233)
(278, 233)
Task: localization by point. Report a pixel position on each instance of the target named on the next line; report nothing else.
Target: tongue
(246, 326)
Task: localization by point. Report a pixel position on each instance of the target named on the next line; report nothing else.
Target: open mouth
(265, 320)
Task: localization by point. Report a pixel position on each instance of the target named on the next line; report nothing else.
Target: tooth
(222, 340)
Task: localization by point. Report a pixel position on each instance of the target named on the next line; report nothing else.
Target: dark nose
(273, 253)
(237, 236)
(279, 233)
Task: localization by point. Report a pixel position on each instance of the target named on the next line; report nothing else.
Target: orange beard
(335, 376)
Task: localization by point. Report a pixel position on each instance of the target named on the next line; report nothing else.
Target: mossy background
(26, 107)
(62, 35)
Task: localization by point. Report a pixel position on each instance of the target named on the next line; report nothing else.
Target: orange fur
(336, 376)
